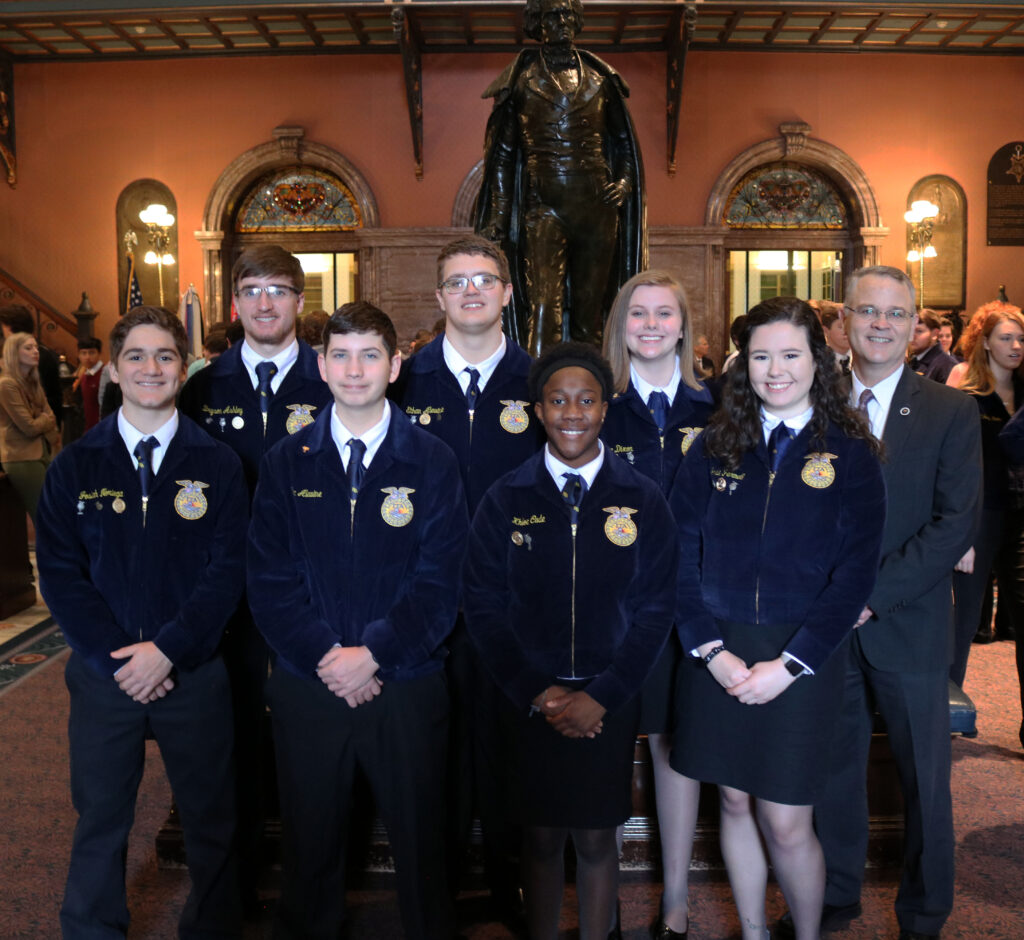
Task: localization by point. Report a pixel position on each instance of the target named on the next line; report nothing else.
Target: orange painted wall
(84, 131)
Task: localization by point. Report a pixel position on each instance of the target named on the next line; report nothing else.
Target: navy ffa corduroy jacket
(387, 578)
(431, 397)
(629, 431)
(110, 581)
(222, 400)
(537, 611)
(801, 548)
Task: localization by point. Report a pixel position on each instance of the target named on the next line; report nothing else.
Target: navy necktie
(265, 371)
(658, 404)
(356, 452)
(778, 443)
(144, 455)
(473, 390)
(573, 491)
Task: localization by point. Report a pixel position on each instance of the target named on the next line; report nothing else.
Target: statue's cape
(631, 250)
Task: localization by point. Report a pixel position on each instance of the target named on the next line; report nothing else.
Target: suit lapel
(902, 415)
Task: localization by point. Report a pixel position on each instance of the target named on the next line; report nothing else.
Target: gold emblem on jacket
(689, 436)
(513, 417)
(396, 510)
(620, 529)
(190, 502)
(300, 417)
(818, 472)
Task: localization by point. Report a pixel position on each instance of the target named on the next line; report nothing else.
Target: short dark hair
(148, 316)
(361, 316)
(929, 318)
(91, 342)
(567, 356)
(235, 332)
(216, 342)
(268, 261)
(310, 328)
(473, 245)
(18, 319)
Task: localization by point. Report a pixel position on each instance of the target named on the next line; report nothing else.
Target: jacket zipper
(764, 521)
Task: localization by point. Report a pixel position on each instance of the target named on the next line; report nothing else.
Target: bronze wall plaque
(945, 275)
(1006, 196)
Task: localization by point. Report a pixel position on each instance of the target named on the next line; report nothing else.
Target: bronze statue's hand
(493, 233)
(614, 194)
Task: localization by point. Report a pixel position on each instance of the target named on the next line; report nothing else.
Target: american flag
(133, 293)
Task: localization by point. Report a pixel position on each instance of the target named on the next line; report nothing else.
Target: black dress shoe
(914, 935)
(832, 918)
(662, 931)
(982, 637)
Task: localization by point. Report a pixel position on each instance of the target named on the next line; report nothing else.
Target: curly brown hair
(735, 427)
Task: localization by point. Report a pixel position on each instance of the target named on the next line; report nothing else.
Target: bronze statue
(563, 186)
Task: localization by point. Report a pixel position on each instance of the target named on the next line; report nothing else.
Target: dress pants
(915, 707)
(107, 733)
(399, 740)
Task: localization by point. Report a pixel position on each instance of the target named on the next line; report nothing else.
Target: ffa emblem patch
(689, 436)
(513, 417)
(396, 510)
(818, 472)
(300, 416)
(190, 503)
(620, 529)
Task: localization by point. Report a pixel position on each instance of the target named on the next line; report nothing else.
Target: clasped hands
(350, 672)
(147, 674)
(751, 685)
(572, 713)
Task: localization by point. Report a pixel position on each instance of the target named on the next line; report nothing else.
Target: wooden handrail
(57, 330)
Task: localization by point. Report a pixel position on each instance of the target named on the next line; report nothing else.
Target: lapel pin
(904, 411)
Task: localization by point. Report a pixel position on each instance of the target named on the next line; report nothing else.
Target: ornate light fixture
(159, 221)
(920, 218)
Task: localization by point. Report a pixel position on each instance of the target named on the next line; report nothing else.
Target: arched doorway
(302, 195)
(799, 216)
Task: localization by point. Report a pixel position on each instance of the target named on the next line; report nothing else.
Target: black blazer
(932, 469)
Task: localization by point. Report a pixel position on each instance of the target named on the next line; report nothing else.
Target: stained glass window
(783, 196)
(299, 199)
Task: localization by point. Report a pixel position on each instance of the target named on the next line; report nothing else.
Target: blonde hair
(979, 378)
(615, 349)
(29, 383)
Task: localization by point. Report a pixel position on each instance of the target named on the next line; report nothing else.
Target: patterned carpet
(988, 781)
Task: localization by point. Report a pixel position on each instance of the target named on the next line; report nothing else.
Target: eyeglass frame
(892, 315)
(474, 278)
(260, 291)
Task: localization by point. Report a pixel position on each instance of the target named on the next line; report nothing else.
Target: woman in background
(991, 375)
(659, 407)
(28, 428)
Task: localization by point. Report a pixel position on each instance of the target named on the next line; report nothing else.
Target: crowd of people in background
(477, 577)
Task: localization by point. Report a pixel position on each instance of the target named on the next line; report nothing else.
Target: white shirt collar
(457, 363)
(284, 360)
(644, 388)
(96, 368)
(770, 422)
(372, 438)
(878, 409)
(131, 436)
(558, 470)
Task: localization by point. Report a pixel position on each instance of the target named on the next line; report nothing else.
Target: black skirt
(658, 693)
(777, 751)
(580, 783)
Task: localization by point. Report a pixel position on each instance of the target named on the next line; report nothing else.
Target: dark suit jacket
(932, 469)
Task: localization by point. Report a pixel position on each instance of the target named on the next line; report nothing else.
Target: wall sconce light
(158, 221)
(920, 218)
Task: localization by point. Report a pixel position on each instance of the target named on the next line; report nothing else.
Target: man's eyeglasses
(868, 313)
(456, 285)
(274, 292)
